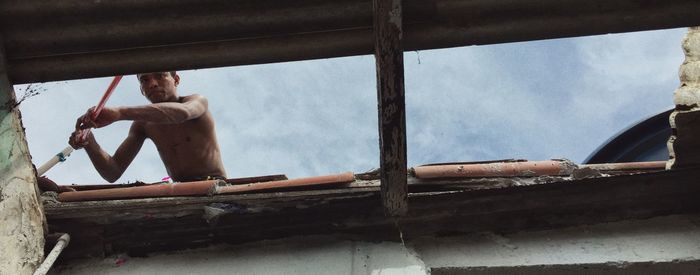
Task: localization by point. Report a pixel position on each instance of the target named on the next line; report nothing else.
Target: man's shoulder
(194, 96)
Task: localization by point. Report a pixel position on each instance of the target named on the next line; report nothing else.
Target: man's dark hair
(172, 73)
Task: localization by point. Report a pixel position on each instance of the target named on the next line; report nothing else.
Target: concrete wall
(623, 247)
(21, 217)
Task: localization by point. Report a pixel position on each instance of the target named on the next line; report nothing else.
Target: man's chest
(170, 137)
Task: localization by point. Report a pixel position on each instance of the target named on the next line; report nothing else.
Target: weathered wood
(388, 53)
(357, 214)
(21, 217)
(169, 207)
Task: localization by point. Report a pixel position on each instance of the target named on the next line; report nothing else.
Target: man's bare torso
(182, 128)
(189, 150)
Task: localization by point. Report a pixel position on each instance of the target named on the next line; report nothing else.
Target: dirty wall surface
(21, 217)
(616, 246)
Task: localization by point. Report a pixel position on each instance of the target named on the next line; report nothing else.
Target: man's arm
(112, 167)
(191, 107)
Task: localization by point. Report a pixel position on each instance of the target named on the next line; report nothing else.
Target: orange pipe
(320, 180)
(195, 188)
(622, 166)
(495, 169)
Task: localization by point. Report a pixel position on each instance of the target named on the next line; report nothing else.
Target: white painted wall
(656, 240)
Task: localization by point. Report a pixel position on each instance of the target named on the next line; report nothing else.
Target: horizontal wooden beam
(171, 223)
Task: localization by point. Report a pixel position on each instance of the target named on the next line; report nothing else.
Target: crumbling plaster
(688, 94)
(21, 216)
(684, 142)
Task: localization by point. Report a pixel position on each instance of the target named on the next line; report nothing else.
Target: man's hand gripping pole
(61, 156)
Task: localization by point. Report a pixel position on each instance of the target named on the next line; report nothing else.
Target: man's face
(159, 87)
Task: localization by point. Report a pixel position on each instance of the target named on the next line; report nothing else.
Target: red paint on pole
(106, 96)
(101, 104)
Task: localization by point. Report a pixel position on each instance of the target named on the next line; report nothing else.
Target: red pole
(61, 156)
(106, 96)
(101, 105)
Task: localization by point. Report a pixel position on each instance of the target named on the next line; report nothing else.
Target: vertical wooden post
(388, 53)
(21, 214)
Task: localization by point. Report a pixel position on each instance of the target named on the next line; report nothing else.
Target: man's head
(159, 87)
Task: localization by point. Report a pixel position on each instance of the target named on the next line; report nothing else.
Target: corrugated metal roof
(57, 40)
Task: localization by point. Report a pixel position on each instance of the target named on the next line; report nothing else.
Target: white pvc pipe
(60, 157)
(51, 258)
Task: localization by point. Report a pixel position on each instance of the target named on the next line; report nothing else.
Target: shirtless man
(182, 128)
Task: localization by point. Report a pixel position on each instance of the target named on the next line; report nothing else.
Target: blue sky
(537, 100)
